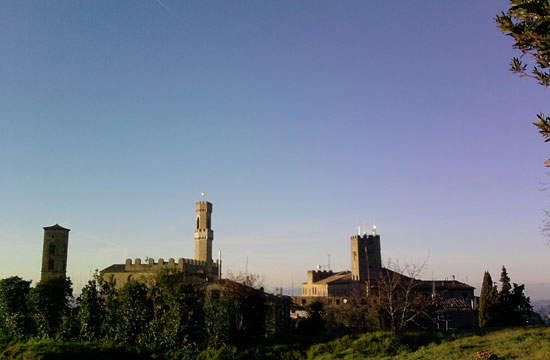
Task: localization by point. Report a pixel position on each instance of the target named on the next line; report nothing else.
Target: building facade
(201, 266)
(367, 273)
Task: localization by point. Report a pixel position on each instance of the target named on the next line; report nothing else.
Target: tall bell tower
(203, 231)
(54, 252)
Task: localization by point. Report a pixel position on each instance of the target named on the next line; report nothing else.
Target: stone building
(368, 276)
(366, 272)
(201, 266)
(54, 252)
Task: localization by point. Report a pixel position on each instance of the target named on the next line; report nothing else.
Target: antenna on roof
(328, 262)
(203, 195)
(359, 230)
(374, 229)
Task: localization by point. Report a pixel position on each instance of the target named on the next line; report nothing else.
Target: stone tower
(203, 231)
(366, 259)
(54, 252)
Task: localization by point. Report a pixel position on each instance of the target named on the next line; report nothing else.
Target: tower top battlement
(364, 237)
(203, 205)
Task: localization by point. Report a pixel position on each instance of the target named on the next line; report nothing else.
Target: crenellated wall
(151, 266)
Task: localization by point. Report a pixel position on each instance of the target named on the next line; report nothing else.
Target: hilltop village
(367, 277)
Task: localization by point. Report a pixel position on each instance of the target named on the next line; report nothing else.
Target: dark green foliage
(520, 305)
(49, 305)
(221, 320)
(53, 350)
(528, 23)
(507, 307)
(111, 308)
(314, 324)
(177, 313)
(136, 311)
(91, 312)
(543, 124)
(487, 302)
(14, 314)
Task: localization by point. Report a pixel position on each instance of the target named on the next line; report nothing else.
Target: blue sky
(300, 120)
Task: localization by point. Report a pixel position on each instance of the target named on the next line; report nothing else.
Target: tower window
(51, 265)
(51, 249)
(197, 223)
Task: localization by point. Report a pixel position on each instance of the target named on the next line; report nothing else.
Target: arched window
(51, 249)
(197, 222)
(130, 278)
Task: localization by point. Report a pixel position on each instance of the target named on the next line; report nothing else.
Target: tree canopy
(528, 23)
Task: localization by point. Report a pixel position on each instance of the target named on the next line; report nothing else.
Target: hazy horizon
(300, 120)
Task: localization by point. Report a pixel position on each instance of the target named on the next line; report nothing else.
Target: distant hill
(543, 308)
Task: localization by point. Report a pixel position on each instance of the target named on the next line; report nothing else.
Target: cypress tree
(487, 301)
(506, 287)
(504, 304)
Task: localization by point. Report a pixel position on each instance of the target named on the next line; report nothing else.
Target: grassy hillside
(506, 344)
(519, 343)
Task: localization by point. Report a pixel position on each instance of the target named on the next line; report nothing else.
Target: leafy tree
(514, 307)
(177, 312)
(135, 313)
(14, 314)
(221, 319)
(520, 305)
(528, 23)
(49, 302)
(314, 323)
(91, 311)
(487, 302)
(111, 308)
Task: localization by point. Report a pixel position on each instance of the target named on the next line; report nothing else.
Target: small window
(51, 265)
(130, 277)
(197, 223)
(51, 249)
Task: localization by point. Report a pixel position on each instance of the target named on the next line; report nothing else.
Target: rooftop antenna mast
(203, 196)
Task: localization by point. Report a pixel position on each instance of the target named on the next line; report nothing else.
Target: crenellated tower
(54, 252)
(366, 258)
(203, 231)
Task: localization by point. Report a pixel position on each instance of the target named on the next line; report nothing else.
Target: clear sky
(300, 120)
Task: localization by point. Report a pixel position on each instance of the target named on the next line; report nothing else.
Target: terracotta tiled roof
(444, 284)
